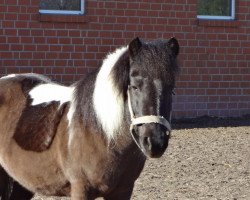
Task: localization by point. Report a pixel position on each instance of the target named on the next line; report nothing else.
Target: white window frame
(65, 12)
(232, 17)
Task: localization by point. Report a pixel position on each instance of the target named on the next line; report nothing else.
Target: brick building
(214, 57)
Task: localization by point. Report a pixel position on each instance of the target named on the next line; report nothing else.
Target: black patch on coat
(37, 126)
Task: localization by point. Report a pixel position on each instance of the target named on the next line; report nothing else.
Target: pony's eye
(133, 87)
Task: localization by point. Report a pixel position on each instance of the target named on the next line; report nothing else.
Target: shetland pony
(90, 139)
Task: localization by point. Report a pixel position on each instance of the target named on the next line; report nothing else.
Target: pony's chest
(117, 174)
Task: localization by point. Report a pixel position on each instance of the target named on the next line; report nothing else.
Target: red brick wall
(214, 57)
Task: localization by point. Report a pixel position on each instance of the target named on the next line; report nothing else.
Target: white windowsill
(212, 17)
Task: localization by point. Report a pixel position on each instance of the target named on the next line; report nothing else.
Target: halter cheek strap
(146, 119)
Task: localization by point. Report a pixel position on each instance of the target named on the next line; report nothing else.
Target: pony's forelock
(107, 100)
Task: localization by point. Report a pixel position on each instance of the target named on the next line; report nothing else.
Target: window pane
(74, 5)
(214, 7)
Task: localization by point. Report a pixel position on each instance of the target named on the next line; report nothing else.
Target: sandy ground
(208, 158)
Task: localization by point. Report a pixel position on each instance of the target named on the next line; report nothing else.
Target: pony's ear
(134, 47)
(174, 46)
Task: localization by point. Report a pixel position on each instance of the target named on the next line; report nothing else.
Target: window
(61, 6)
(216, 9)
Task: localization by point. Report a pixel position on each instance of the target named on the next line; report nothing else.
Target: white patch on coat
(72, 109)
(49, 92)
(70, 116)
(108, 104)
(158, 89)
(9, 76)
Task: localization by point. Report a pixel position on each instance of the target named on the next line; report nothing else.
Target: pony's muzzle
(153, 139)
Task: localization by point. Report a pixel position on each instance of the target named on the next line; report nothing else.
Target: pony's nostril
(168, 133)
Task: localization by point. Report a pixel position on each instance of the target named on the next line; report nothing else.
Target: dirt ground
(208, 158)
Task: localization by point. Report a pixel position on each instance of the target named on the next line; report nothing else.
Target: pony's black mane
(83, 96)
(120, 74)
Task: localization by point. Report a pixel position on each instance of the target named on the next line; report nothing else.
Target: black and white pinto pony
(90, 139)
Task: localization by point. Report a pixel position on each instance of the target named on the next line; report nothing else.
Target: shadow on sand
(210, 122)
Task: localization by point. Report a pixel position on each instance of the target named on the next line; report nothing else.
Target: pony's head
(151, 83)
(140, 77)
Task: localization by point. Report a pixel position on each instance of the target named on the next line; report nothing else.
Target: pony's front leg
(78, 191)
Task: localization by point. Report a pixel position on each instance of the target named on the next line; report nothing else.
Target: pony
(90, 139)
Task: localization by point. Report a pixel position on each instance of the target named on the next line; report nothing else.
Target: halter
(145, 120)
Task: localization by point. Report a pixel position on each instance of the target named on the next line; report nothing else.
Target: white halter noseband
(145, 120)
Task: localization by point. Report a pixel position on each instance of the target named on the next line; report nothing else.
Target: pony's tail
(8, 189)
(5, 185)
(18, 192)
(12, 190)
